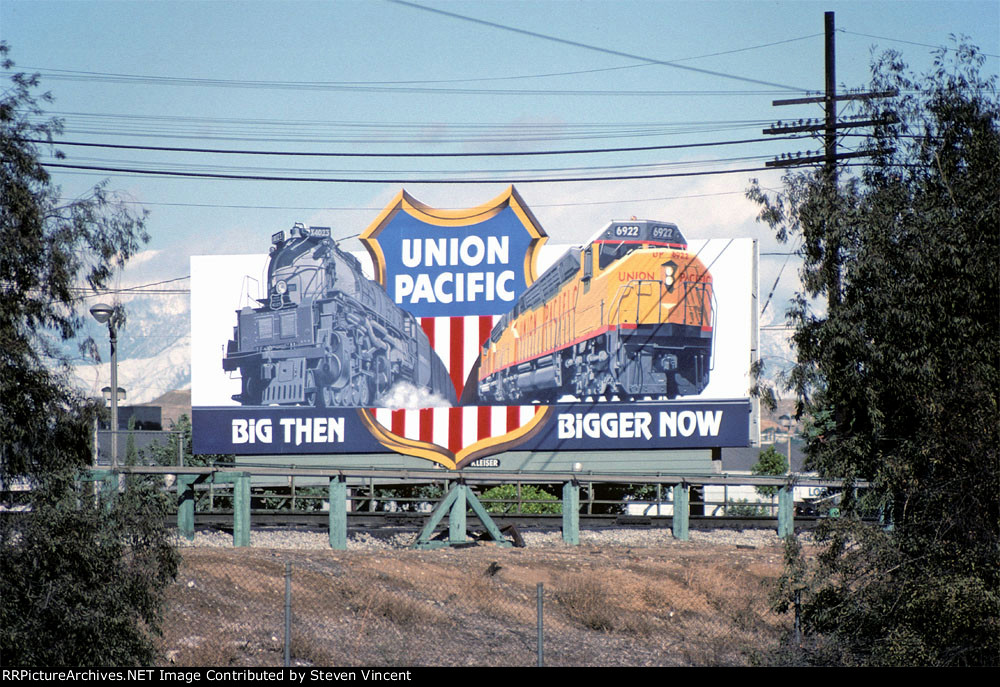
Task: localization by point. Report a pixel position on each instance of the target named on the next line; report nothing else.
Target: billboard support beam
(571, 513)
(241, 504)
(338, 513)
(185, 505)
(682, 504)
(786, 512)
(456, 502)
(456, 516)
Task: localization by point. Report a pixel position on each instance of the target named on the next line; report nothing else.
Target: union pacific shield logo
(457, 272)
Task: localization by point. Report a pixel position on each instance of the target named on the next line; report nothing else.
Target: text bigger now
(638, 425)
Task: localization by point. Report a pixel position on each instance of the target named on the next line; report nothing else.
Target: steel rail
(481, 477)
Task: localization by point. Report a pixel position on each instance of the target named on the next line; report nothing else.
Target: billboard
(461, 334)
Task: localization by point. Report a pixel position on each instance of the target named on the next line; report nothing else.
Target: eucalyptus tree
(83, 579)
(898, 372)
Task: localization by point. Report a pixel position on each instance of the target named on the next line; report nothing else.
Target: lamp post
(103, 314)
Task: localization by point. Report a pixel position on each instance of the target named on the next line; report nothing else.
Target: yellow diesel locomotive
(630, 315)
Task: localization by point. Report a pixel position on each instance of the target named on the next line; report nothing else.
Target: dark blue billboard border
(273, 430)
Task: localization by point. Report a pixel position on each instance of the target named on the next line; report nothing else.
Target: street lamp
(103, 314)
(106, 392)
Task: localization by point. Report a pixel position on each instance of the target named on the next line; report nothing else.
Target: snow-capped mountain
(154, 350)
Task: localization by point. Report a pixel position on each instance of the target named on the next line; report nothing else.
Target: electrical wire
(75, 74)
(767, 301)
(585, 46)
(777, 89)
(68, 73)
(507, 153)
(900, 40)
(355, 180)
(379, 208)
(594, 169)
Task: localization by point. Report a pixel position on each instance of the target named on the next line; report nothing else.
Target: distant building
(146, 417)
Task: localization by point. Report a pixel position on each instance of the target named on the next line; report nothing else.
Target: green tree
(771, 462)
(82, 577)
(899, 369)
(167, 453)
(544, 502)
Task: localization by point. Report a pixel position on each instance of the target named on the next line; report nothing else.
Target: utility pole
(830, 102)
(830, 154)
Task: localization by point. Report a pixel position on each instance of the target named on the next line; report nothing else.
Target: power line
(368, 125)
(434, 90)
(355, 180)
(69, 74)
(84, 75)
(379, 208)
(412, 136)
(900, 40)
(774, 287)
(508, 153)
(595, 48)
(593, 169)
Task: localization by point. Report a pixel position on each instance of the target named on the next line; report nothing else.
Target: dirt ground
(680, 604)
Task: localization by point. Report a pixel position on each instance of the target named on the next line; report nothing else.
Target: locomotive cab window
(611, 251)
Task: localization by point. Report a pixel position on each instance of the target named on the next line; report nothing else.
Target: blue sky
(388, 77)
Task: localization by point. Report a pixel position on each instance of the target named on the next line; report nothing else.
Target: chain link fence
(474, 607)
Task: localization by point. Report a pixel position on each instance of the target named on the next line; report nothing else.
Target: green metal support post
(109, 483)
(786, 512)
(571, 513)
(682, 511)
(241, 509)
(456, 516)
(110, 486)
(241, 504)
(338, 513)
(185, 505)
(455, 503)
(484, 517)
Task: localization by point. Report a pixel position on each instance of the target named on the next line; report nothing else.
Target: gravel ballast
(270, 538)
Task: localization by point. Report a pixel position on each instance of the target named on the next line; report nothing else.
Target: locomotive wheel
(603, 383)
(497, 386)
(672, 391)
(382, 379)
(328, 397)
(312, 397)
(253, 390)
(360, 392)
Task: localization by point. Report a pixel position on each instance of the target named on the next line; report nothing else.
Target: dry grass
(684, 604)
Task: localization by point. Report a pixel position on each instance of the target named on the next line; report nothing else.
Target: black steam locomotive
(325, 335)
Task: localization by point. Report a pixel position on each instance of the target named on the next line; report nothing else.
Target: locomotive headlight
(669, 274)
(281, 287)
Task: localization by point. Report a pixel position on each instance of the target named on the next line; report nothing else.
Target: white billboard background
(223, 284)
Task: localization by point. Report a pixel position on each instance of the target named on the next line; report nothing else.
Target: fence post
(338, 513)
(786, 512)
(288, 613)
(681, 512)
(571, 513)
(241, 509)
(541, 625)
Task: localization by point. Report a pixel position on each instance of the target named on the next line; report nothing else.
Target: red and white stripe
(457, 341)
